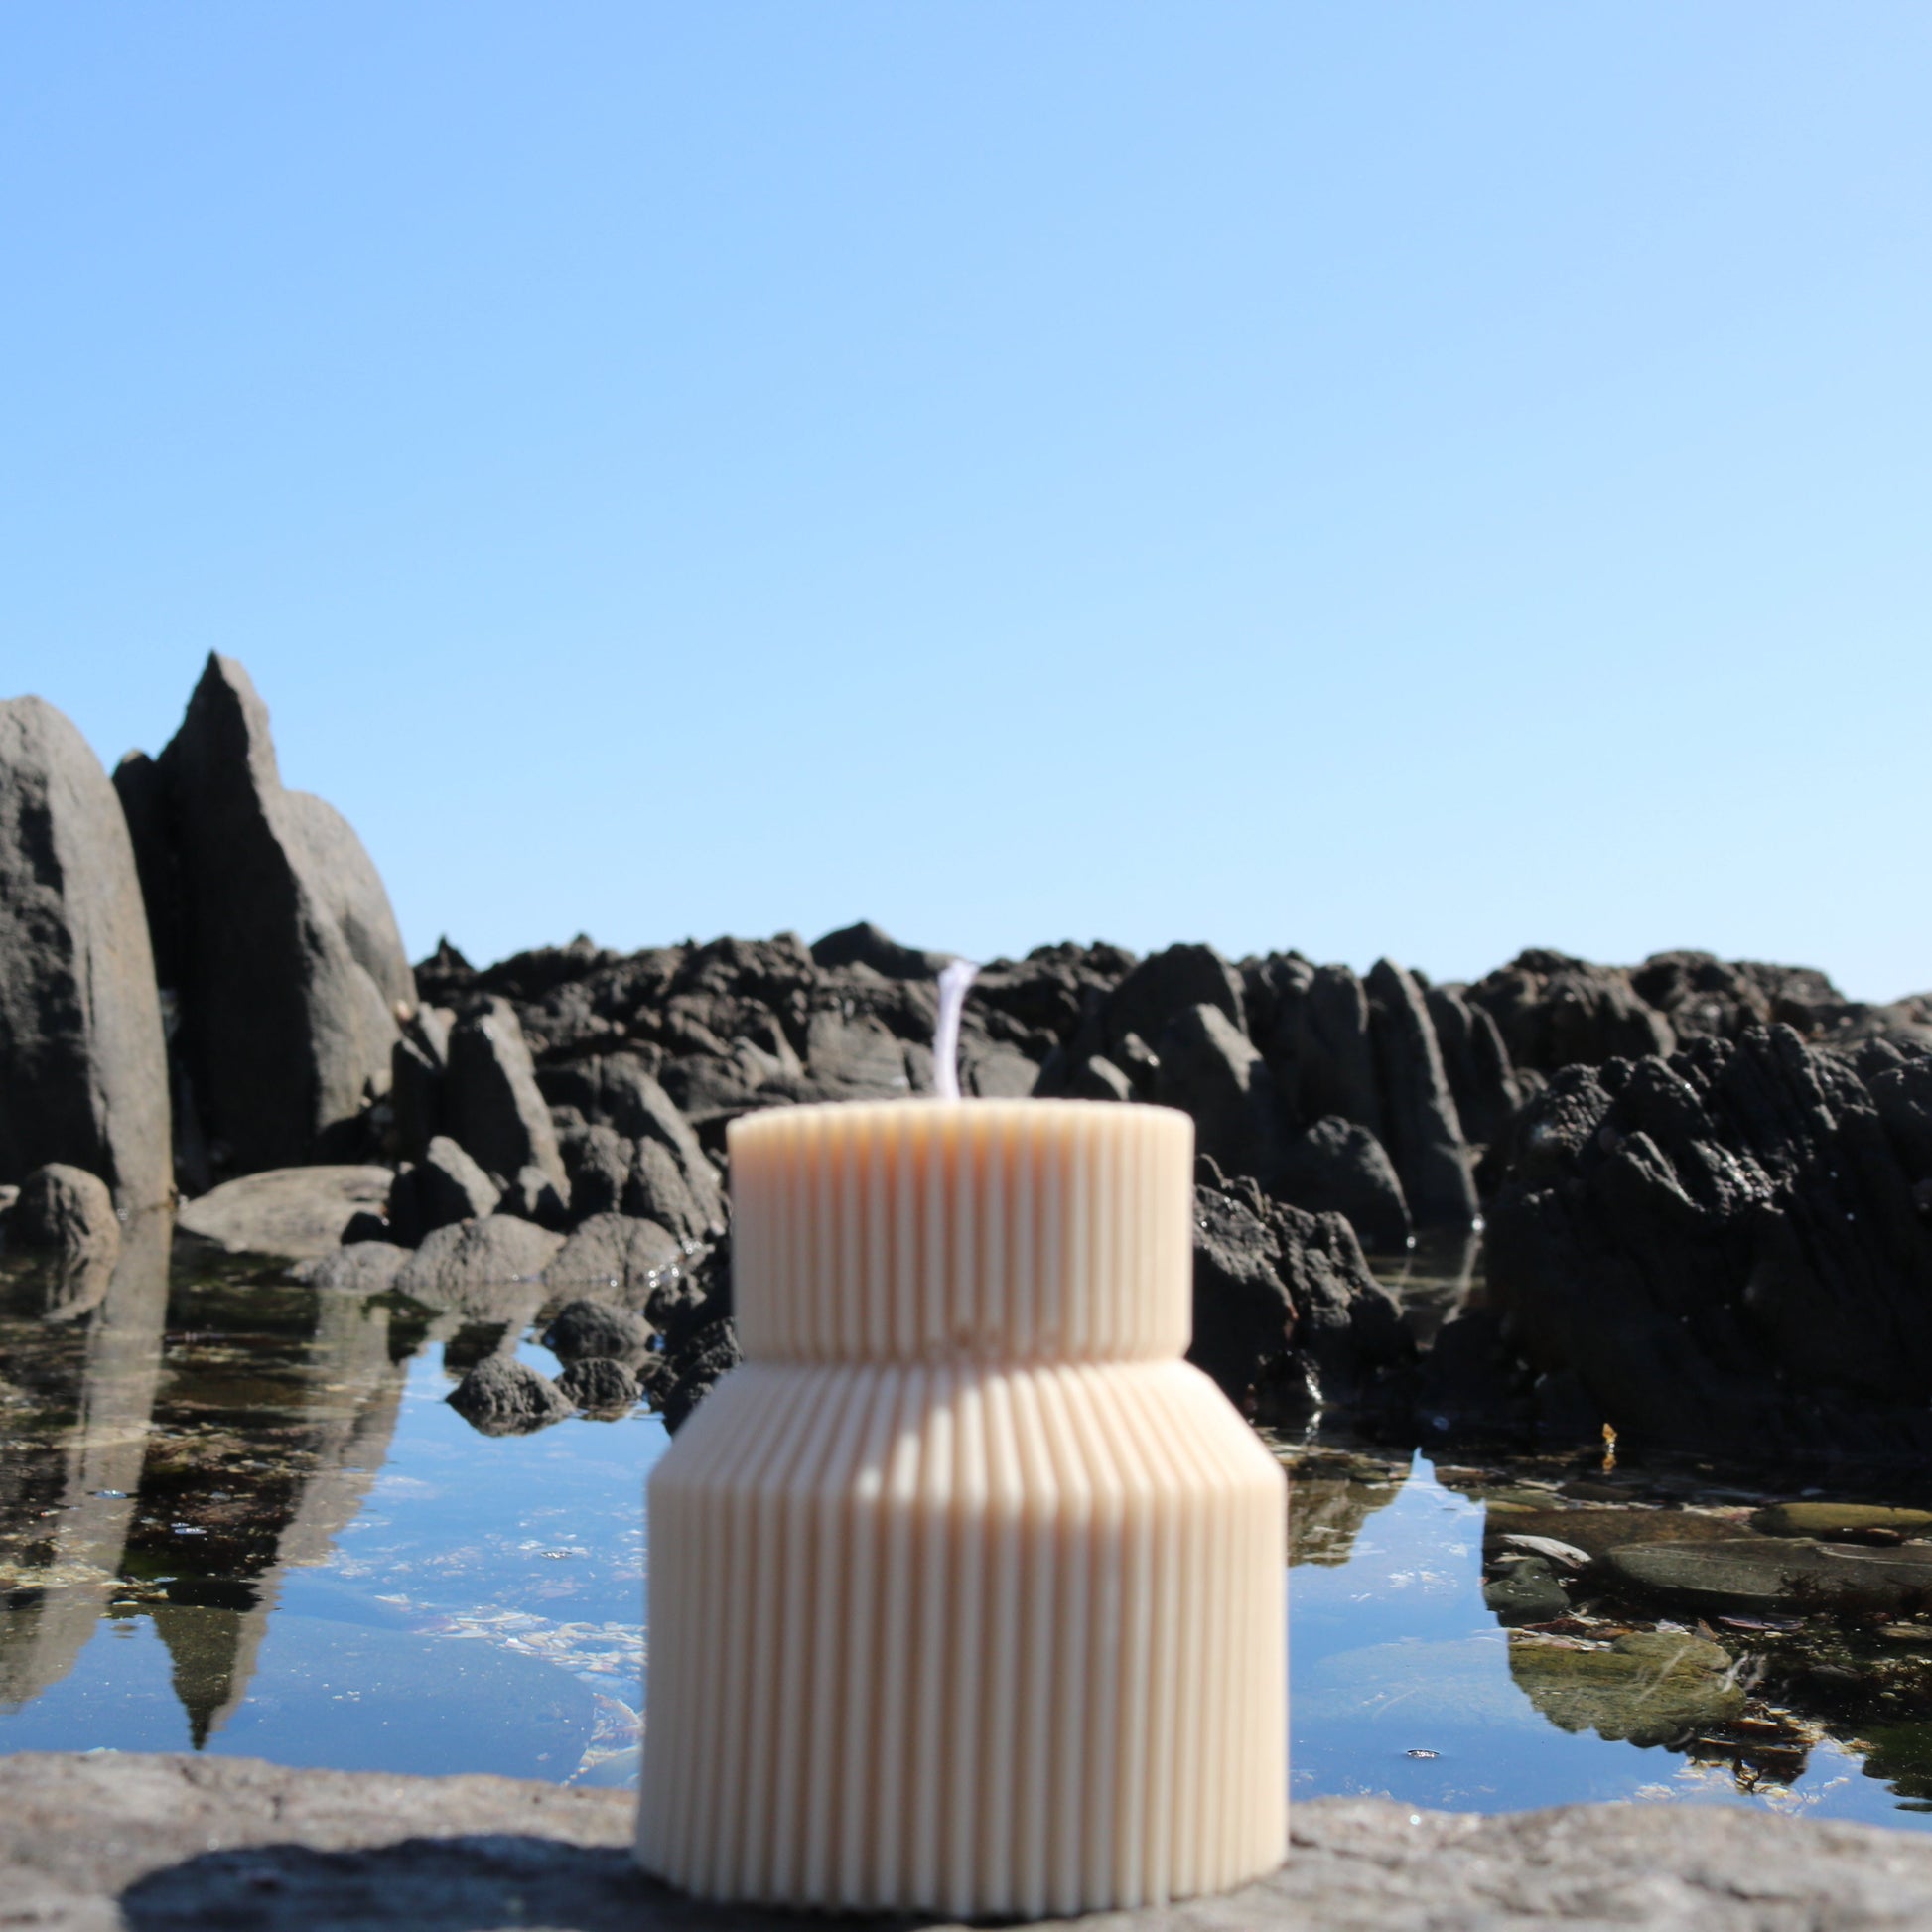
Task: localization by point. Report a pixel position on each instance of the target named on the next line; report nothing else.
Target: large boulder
(1732, 1248)
(498, 1251)
(290, 972)
(509, 1397)
(1339, 1167)
(83, 1074)
(617, 1250)
(491, 1099)
(66, 1211)
(1209, 1070)
(1163, 985)
(293, 1213)
(445, 1185)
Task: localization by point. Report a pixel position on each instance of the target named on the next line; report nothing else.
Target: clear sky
(1425, 479)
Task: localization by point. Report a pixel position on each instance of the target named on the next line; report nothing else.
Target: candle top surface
(930, 1230)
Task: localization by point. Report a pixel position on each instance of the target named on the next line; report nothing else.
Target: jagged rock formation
(83, 1065)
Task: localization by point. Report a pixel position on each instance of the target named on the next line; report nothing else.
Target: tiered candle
(967, 1594)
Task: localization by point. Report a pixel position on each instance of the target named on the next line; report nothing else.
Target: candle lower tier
(985, 1640)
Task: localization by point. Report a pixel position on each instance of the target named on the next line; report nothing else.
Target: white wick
(953, 982)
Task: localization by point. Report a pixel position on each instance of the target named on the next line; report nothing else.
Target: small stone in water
(1422, 1753)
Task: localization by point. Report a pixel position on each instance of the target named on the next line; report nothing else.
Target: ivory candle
(967, 1594)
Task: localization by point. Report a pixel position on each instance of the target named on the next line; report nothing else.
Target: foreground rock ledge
(134, 1843)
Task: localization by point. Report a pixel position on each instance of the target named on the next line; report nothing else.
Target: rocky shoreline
(111, 1843)
(1705, 1187)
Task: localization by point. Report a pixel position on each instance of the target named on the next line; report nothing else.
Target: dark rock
(600, 1385)
(1481, 1081)
(533, 1196)
(1339, 1167)
(1209, 1070)
(1287, 1316)
(617, 1091)
(596, 1160)
(708, 1353)
(66, 1211)
(1554, 1012)
(83, 1075)
(585, 1330)
(655, 1189)
(291, 1212)
(856, 1058)
(508, 1398)
(491, 1102)
(1321, 1050)
(443, 1188)
(865, 945)
(1098, 1078)
(614, 1251)
(1423, 1137)
(1771, 1573)
(1526, 1593)
(1163, 985)
(1647, 1687)
(355, 1268)
(496, 1250)
(291, 974)
(417, 1063)
(1723, 1249)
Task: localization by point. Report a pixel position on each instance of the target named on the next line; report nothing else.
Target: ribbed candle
(966, 1592)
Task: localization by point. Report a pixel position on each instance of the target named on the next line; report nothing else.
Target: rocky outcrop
(445, 1186)
(1337, 1167)
(83, 1075)
(1731, 1246)
(1554, 1012)
(1209, 1069)
(492, 1103)
(290, 971)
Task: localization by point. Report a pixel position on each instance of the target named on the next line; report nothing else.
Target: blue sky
(1423, 479)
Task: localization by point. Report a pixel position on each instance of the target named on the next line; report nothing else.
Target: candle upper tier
(1002, 1230)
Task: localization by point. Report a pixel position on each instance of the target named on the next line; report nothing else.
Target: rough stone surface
(597, 1383)
(137, 1843)
(445, 1186)
(491, 1099)
(291, 1212)
(613, 1251)
(585, 1330)
(1339, 1167)
(359, 1268)
(499, 1250)
(291, 971)
(66, 1211)
(1165, 985)
(1555, 1011)
(83, 1070)
(1211, 1070)
(507, 1398)
(1422, 1135)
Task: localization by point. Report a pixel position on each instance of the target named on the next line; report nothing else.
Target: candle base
(982, 1640)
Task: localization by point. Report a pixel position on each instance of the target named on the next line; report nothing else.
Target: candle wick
(953, 982)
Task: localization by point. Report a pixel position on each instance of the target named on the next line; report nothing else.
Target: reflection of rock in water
(1330, 1498)
(1648, 1686)
(80, 1385)
(267, 1442)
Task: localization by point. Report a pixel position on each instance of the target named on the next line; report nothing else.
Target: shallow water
(238, 1516)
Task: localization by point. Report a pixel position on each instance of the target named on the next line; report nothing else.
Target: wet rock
(291, 969)
(1648, 1686)
(1723, 1248)
(587, 1330)
(1554, 1010)
(1209, 1070)
(1526, 1591)
(66, 1211)
(600, 1385)
(445, 1186)
(288, 1212)
(1765, 1574)
(1843, 1522)
(615, 1251)
(501, 1396)
(83, 1075)
(1287, 1316)
(1423, 1134)
(492, 1103)
(498, 1249)
(1339, 1167)
(356, 1268)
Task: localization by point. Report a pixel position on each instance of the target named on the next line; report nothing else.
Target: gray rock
(1322, 1053)
(417, 1063)
(290, 1212)
(1525, 1593)
(1098, 1078)
(600, 1384)
(1209, 1070)
(655, 1189)
(1422, 1135)
(66, 1211)
(1481, 1079)
(533, 1196)
(501, 1396)
(587, 1329)
(291, 974)
(596, 1160)
(1555, 1011)
(445, 1186)
(856, 1058)
(1163, 985)
(497, 1251)
(1339, 1167)
(83, 1072)
(613, 1251)
(865, 944)
(616, 1090)
(1773, 1572)
(358, 1268)
(491, 1099)
(201, 1841)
